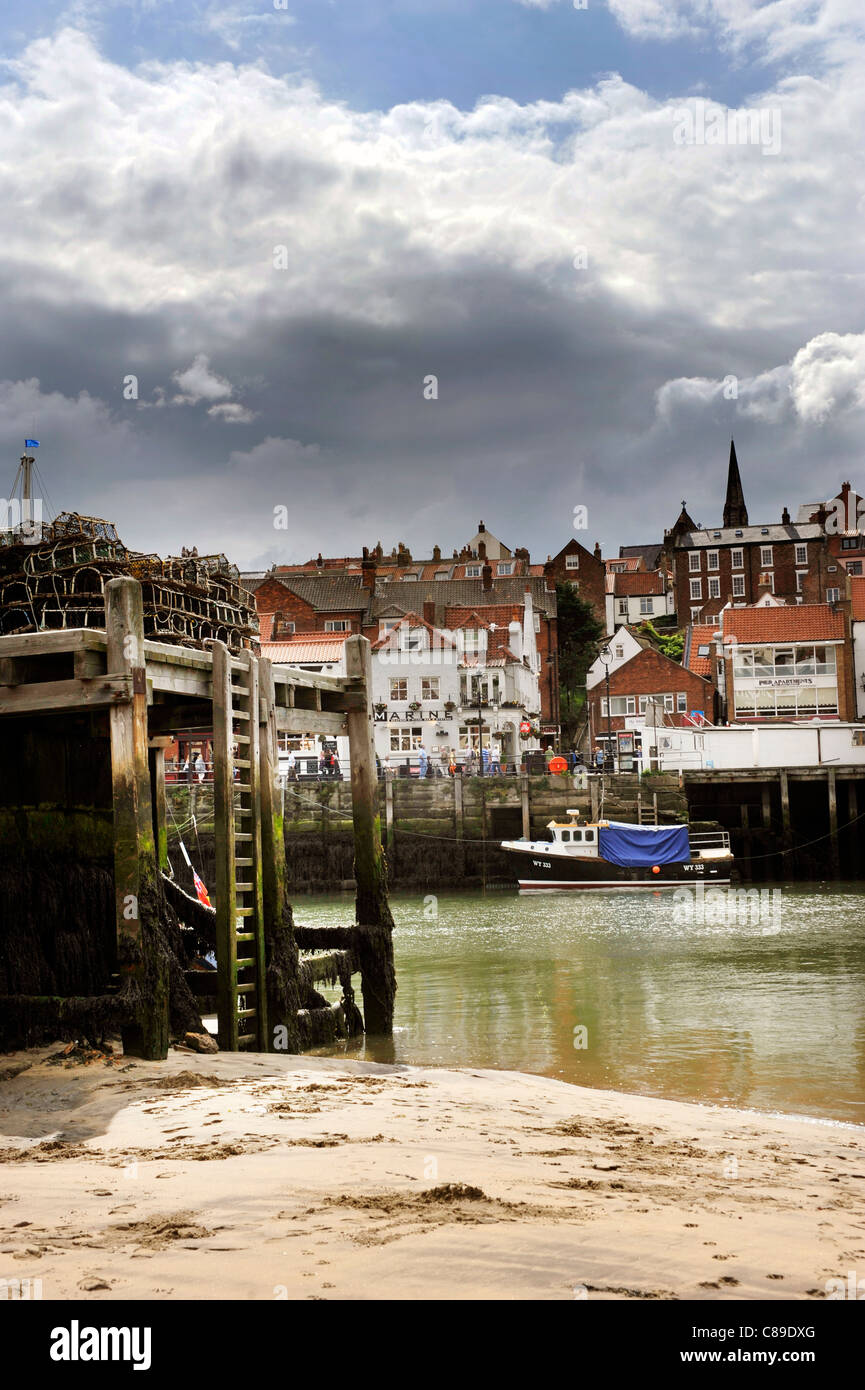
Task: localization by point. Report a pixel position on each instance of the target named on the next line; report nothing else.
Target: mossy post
(280, 947)
(374, 922)
(142, 966)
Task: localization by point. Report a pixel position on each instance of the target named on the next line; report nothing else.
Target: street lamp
(478, 705)
(606, 656)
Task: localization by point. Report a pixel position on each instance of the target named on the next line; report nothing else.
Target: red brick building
(726, 563)
(583, 568)
(648, 674)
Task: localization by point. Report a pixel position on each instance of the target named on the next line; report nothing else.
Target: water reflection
(736, 1014)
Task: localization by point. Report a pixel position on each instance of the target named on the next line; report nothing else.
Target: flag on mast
(31, 443)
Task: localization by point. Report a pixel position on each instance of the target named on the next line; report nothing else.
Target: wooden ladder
(240, 954)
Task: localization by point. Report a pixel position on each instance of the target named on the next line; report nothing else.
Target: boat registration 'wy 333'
(610, 854)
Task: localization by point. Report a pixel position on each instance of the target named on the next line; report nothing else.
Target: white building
(427, 681)
(766, 745)
(637, 597)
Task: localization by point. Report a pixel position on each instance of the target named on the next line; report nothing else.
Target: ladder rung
(242, 835)
(240, 690)
(240, 714)
(244, 965)
(242, 762)
(245, 936)
(246, 1013)
(243, 863)
(247, 1039)
(241, 738)
(244, 912)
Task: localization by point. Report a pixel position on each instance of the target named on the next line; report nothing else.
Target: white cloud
(232, 412)
(198, 382)
(825, 380)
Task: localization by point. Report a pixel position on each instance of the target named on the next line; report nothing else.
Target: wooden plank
(175, 679)
(135, 869)
(45, 696)
(224, 835)
(310, 721)
(61, 640)
(834, 856)
(285, 676)
(86, 663)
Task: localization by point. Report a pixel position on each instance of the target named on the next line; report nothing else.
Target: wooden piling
(374, 921)
(388, 813)
(834, 856)
(142, 969)
(526, 806)
(785, 823)
(280, 947)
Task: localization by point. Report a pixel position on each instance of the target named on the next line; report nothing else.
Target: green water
(767, 1014)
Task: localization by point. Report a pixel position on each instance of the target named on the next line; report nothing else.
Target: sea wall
(438, 833)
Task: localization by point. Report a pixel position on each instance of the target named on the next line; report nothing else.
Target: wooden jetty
(91, 932)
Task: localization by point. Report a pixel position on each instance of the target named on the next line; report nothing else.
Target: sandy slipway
(243, 1176)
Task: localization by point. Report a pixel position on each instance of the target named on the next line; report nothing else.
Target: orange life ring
(558, 764)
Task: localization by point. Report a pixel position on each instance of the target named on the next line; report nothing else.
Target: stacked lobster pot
(53, 576)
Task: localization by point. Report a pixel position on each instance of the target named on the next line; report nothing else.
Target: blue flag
(31, 443)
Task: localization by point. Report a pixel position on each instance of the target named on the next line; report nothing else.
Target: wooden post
(639, 808)
(373, 916)
(746, 838)
(143, 972)
(785, 822)
(834, 856)
(280, 949)
(459, 825)
(526, 805)
(655, 806)
(593, 792)
(223, 827)
(766, 795)
(157, 792)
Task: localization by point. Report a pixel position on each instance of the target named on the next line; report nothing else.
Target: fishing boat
(607, 854)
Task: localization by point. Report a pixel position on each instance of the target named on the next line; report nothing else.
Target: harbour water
(760, 1008)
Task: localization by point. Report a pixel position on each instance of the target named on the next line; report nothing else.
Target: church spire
(735, 511)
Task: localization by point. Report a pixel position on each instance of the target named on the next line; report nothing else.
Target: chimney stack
(487, 578)
(785, 517)
(598, 555)
(550, 574)
(367, 571)
(437, 553)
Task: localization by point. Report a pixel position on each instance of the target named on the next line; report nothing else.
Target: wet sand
(259, 1177)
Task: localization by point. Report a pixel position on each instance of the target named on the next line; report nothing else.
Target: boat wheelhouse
(610, 854)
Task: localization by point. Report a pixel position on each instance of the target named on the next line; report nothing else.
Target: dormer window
(473, 571)
(505, 567)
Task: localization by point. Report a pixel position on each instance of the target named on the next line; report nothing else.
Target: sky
(303, 275)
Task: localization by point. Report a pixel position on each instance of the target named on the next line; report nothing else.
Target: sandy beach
(261, 1177)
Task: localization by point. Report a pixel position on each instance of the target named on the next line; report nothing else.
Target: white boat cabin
(573, 837)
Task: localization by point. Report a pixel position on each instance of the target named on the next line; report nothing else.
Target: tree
(668, 644)
(579, 634)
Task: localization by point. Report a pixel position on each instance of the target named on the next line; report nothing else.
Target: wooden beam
(223, 818)
(375, 924)
(44, 697)
(310, 721)
(135, 872)
(60, 640)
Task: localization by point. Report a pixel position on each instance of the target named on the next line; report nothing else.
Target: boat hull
(536, 870)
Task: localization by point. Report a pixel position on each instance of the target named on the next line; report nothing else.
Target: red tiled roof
(500, 614)
(799, 622)
(638, 584)
(857, 594)
(700, 636)
(624, 564)
(306, 647)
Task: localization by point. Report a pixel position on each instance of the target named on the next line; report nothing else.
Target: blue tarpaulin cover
(635, 845)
